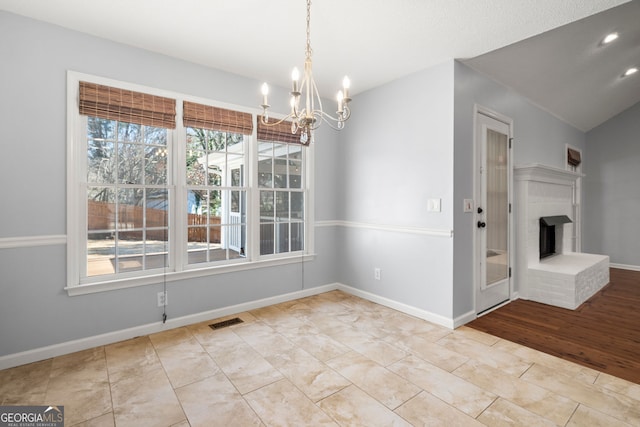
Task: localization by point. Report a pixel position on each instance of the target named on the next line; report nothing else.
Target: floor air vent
(225, 323)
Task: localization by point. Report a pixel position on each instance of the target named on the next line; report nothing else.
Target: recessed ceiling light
(610, 37)
(630, 71)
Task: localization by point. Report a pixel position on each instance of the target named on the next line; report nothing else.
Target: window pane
(297, 205)
(282, 205)
(236, 171)
(214, 206)
(130, 163)
(266, 206)
(100, 161)
(156, 136)
(280, 174)
(195, 169)
(157, 208)
(130, 208)
(155, 165)
(100, 128)
(297, 236)
(265, 173)
(101, 253)
(295, 174)
(129, 132)
(295, 152)
(266, 239)
(235, 143)
(101, 209)
(130, 250)
(282, 237)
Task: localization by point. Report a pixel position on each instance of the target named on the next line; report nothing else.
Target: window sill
(111, 285)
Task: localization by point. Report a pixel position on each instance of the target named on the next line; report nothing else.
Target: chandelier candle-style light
(311, 116)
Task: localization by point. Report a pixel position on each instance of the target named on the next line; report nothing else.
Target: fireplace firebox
(548, 233)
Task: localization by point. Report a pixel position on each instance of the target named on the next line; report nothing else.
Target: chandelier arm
(288, 116)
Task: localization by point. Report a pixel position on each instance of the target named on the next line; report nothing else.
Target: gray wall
(612, 185)
(396, 153)
(35, 311)
(539, 137)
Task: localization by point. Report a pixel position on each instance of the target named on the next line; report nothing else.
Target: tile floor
(331, 359)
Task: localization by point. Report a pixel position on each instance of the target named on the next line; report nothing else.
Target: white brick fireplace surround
(568, 278)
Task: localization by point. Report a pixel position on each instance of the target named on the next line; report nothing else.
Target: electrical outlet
(162, 299)
(376, 273)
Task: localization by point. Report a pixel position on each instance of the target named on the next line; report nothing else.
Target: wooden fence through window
(101, 217)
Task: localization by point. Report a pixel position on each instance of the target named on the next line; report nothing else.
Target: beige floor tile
(80, 383)
(530, 355)
(504, 413)
(382, 384)
(379, 351)
(619, 385)
(264, 339)
(427, 350)
(314, 378)
(488, 355)
(171, 337)
(604, 400)
(105, 420)
(26, 384)
(526, 395)
(282, 404)
(314, 342)
(215, 402)
(453, 390)
(400, 324)
(186, 363)
(585, 416)
(354, 407)
(131, 357)
(245, 367)
(427, 410)
(476, 335)
(146, 399)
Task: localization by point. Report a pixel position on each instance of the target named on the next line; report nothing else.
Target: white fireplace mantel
(544, 173)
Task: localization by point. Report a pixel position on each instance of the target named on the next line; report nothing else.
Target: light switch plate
(468, 205)
(433, 205)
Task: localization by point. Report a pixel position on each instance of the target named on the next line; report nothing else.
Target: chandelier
(311, 116)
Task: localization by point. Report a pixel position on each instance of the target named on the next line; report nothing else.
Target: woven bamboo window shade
(215, 118)
(126, 105)
(279, 133)
(573, 157)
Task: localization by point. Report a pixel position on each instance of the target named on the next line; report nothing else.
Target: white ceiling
(373, 41)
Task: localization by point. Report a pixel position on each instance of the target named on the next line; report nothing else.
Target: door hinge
(510, 141)
(509, 271)
(509, 207)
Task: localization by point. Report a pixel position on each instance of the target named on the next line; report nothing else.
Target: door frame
(480, 109)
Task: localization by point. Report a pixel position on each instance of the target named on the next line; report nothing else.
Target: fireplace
(546, 202)
(549, 226)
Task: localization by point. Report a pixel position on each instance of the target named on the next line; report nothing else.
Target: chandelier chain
(308, 50)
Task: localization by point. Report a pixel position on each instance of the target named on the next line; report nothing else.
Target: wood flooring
(603, 333)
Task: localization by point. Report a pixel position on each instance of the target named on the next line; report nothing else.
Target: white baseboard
(42, 353)
(405, 308)
(625, 266)
(464, 319)
(47, 352)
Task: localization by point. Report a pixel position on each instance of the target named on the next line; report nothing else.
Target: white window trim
(76, 208)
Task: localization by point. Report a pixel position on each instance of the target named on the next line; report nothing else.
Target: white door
(492, 215)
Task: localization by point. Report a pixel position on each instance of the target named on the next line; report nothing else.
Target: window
(127, 197)
(282, 190)
(180, 192)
